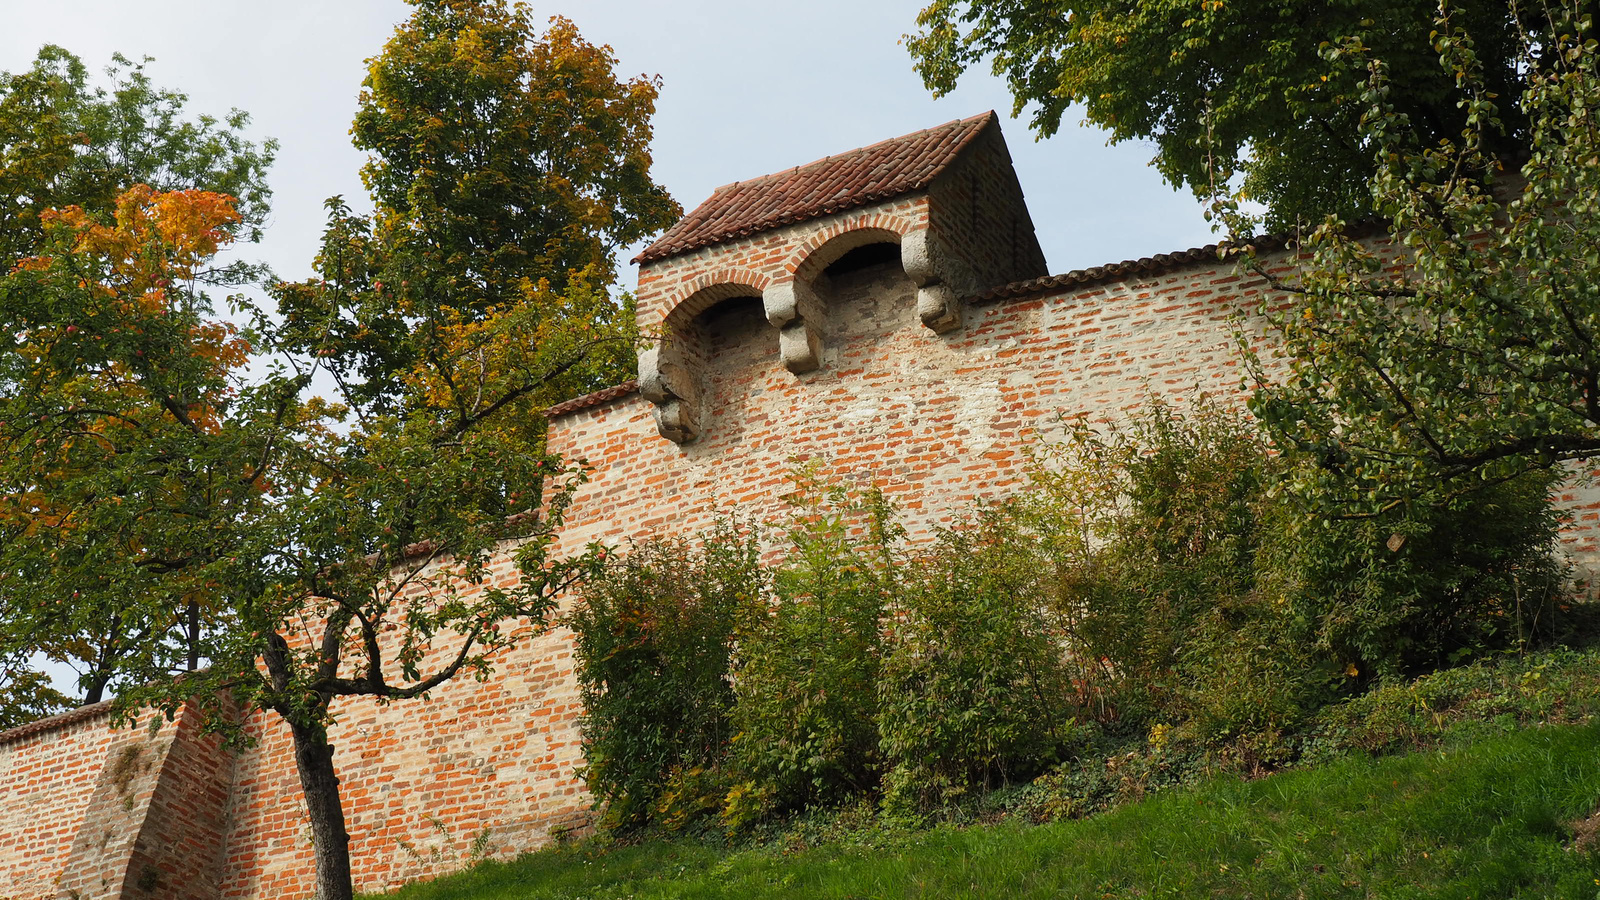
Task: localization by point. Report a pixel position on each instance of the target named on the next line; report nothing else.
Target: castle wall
(938, 421)
(92, 811)
(475, 770)
(487, 769)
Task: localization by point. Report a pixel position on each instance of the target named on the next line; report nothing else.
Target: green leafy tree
(342, 544)
(26, 694)
(68, 143)
(502, 158)
(1462, 352)
(976, 689)
(805, 676)
(1236, 96)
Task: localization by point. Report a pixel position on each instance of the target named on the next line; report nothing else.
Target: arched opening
(732, 324)
(867, 294)
(709, 341)
(882, 253)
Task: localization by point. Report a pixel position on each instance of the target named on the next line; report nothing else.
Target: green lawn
(1489, 817)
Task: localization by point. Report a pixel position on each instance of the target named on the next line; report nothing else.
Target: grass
(1488, 814)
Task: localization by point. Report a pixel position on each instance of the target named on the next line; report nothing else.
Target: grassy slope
(1486, 818)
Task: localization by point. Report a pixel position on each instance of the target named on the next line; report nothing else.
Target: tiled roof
(868, 175)
(1159, 264)
(62, 720)
(589, 401)
(1149, 265)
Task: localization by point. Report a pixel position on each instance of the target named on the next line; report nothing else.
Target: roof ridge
(858, 151)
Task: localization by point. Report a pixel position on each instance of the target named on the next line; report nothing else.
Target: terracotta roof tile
(1159, 264)
(847, 181)
(589, 401)
(1149, 265)
(42, 726)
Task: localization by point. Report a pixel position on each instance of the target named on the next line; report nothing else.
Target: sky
(748, 88)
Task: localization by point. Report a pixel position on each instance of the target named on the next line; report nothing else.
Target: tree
(341, 544)
(26, 694)
(1463, 351)
(1228, 89)
(500, 156)
(67, 144)
(64, 142)
(115, 386)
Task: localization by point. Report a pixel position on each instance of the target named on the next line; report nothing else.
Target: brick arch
(826, 246)
(705, 291)
(672, 369)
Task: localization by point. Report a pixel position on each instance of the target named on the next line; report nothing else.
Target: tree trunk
(97, 687)
(313, 756)
(194, 635)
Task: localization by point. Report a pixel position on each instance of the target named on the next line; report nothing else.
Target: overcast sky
(749, 88)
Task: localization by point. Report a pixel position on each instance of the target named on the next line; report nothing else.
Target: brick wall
(92, 811)
(985, 234)
(938, 420)
(475, 769)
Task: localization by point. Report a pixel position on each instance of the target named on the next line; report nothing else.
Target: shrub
(975, 690)
(805, 686)
(1223, 602)
(1555, 687)
(1424, 585)
(653, 638)
(1161, 591)
(1161, 585)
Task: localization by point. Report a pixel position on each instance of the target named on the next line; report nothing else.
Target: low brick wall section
(92, 811)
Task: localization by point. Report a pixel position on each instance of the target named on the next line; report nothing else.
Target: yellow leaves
(157, 238)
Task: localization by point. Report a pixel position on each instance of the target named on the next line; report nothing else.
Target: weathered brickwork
(475, 770)
(91, 812)
(939, 421)
(940, 416)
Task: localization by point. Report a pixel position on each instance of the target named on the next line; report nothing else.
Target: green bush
(1425, 585)
(976, 690)
(1161, 591)
(653, 638)
(1556, 687)
(805, 685)
(1223, 602)
(1160, 585)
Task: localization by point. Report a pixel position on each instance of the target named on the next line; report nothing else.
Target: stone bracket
(796, 311)
(937, 304)
(938, 308)
(672, 390)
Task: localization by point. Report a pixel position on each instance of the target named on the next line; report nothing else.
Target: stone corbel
(673, 391)
(796, 311)
(937, 304)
